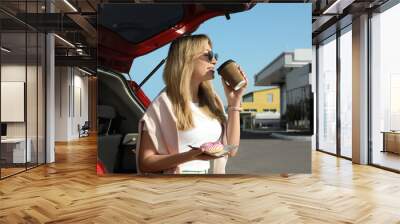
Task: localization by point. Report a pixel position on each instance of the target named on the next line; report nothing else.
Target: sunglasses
(210, 55)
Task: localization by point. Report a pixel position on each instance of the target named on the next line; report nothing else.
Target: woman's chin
(210, 75)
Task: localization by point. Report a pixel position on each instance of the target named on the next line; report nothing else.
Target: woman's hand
(195, 152)
(206, 157)
(234, 97)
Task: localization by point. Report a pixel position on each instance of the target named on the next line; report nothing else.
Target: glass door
(327, 95)
(385, 89)
(346, 92)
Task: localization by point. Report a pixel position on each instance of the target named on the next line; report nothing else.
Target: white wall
(71, 94)
(33, 126)
(80, 111)
(12, 101)
(16, 73)
(62, 80)
(13, 72)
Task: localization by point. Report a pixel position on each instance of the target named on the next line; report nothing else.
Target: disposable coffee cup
(231, 75)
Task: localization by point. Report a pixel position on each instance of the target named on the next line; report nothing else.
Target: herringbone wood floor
(69, 191)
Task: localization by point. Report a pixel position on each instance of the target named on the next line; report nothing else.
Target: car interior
(119, 111)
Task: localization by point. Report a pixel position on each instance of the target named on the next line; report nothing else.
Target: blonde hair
(177, 74)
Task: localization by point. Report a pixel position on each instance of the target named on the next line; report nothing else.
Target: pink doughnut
(212, 147)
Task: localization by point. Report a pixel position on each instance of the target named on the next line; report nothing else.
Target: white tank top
(206, 129)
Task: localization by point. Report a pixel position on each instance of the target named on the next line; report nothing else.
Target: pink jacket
(160, 122)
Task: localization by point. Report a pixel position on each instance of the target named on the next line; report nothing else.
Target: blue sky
(252, 38)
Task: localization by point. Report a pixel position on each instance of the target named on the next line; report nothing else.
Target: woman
(189, 112)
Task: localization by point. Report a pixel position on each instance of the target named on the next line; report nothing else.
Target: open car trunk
(127, 31)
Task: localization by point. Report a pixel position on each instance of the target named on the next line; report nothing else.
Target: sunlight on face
(203, 68)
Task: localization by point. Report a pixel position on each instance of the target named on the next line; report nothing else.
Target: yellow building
(266, 100)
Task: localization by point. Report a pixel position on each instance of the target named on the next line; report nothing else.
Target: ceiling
(76, 21)
(73, 21)
(330, 15)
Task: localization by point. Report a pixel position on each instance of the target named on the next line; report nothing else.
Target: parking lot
(261, 153)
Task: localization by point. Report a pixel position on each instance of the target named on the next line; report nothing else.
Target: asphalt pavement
(265, 153)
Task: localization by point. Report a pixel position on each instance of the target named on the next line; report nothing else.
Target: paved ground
(261, 153)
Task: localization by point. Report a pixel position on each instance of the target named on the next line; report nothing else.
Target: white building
(292, 72)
